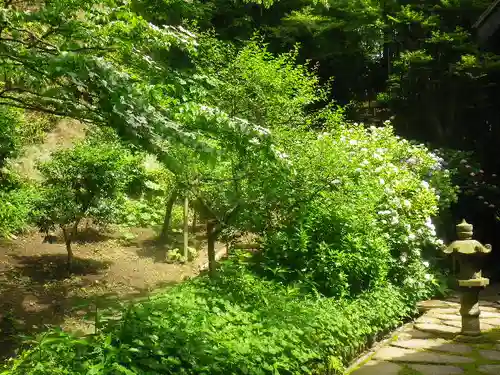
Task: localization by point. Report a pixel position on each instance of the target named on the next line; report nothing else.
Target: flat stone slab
(448, 310)
(489, 314)
(493, 303)
(414, 334)
(491, 321)
(433, 344)
(437, 370)
(438, 329)
(490, 369)
(428, 319)
(413, 356)
(376, 367)
(456, 316)
(484, 323)
(493, 355)
(436, 304)
(490, 308)
(485, 326)
(453, 323)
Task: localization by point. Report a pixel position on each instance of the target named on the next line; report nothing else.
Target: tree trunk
(67, 242)
(168, 216)
(186, 227)
(211, 247)
(193, 225)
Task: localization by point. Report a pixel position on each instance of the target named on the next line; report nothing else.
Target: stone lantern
(469, 254)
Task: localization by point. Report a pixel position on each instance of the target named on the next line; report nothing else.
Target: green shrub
(36, 126)
(356, 211)
(16, 207)
(266, 89)
(236, 324)
(141, 212)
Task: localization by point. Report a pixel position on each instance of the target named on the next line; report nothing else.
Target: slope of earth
(36, 291)
(64, 135)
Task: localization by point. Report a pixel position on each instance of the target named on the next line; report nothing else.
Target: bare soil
(65, 134)
(36, 290)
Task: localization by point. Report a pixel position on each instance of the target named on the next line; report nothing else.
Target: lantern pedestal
(469, 305)
(469, 254)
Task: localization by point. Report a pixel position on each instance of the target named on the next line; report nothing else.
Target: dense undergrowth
(346, 213)
(237, 323)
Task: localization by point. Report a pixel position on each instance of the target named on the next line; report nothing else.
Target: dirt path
(36, 291)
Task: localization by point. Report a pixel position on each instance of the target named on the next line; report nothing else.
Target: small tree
(84, 182)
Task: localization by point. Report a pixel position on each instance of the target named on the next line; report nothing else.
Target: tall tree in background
(440, 79)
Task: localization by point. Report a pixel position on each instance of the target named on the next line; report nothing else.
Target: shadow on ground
(36, 293)
(85, 235)
(45, 267)
(157, 249)
(91, 235)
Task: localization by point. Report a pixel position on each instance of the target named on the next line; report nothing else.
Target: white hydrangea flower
(254, 141)
(388, 190)
(261, 130)
(429, 224)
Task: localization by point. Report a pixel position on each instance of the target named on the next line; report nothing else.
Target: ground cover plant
(238, 323)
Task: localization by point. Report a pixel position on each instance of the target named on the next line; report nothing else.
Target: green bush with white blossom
(365, 215)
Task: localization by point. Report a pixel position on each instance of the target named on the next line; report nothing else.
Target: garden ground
(35, 290)
(431, 345)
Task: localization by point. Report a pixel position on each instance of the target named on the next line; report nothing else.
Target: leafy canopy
(85, 181)
(114, 69)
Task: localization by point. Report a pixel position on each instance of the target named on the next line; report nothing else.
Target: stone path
(432, 345)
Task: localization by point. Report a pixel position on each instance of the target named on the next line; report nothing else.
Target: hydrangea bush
(366, 214)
